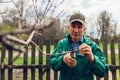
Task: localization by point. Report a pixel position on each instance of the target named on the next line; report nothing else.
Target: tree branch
(8, 37)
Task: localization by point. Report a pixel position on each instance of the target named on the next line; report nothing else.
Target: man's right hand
(69, 60)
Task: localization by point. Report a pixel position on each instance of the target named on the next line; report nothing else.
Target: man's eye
(80, 26)
(73, 26)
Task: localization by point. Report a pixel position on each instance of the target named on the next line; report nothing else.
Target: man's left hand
(87, 51)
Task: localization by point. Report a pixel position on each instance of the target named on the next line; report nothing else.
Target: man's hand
(86, 50)
(69, 60)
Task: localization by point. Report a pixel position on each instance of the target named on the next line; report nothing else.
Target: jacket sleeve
(99, 67)
(56, 59)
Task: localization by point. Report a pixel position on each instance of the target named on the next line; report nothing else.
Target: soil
(18, 75)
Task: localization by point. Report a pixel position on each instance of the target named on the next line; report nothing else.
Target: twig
(16, 57)
(48, 54)
(39, 48)
(30, 37)
(5, 1)
(12, 38)
(3, 64)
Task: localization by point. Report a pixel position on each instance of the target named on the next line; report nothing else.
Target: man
(88, 61)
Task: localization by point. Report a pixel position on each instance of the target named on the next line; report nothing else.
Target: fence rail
(40, 70)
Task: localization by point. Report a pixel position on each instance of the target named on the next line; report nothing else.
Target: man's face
(76, 30)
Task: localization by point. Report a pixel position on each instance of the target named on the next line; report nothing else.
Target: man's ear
(68, 27)
(84, 28)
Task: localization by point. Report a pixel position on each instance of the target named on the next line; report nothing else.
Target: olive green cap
(77, 17)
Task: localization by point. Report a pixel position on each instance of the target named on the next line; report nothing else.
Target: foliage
(4, 27)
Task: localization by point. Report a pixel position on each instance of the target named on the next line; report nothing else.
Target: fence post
(40, 42)
(119, 53)
(55, 73)
(97, 41)
(32, 61)
(3, 52)
(105, 50)
(25, 71)
(47, 59)
(10, 58)
(112, 47)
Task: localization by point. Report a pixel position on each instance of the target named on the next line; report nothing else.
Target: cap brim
(77, 20)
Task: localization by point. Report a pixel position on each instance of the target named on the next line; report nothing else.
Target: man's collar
(70, 40)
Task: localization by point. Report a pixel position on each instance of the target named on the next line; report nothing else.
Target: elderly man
(88, 60)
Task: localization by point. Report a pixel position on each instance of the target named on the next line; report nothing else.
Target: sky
(89, 7)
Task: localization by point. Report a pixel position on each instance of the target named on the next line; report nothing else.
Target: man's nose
(76, 30)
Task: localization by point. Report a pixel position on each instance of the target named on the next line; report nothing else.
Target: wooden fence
(38, 68)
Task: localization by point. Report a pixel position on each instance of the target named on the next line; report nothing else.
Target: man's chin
(76, 37)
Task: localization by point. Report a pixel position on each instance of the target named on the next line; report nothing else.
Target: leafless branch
(3, 64)
(59, 14)
(5, 1)
(15, 58)
(2, 12)
(45, 11)
(48, 54)
(55, 6)
(35, 7)
(7, 37)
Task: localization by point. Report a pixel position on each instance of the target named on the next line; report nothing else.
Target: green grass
(108, 46)
(19, 61)
(51, 48)
(116, 59)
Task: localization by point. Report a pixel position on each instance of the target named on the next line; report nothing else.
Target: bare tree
(105, 23)
(41, 20)
(41, 23)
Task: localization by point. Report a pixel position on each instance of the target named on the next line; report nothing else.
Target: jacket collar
(70, 40)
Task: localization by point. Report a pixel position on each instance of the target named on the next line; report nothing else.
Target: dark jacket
(84, 70)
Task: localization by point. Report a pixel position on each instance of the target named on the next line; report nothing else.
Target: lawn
(108, 46)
